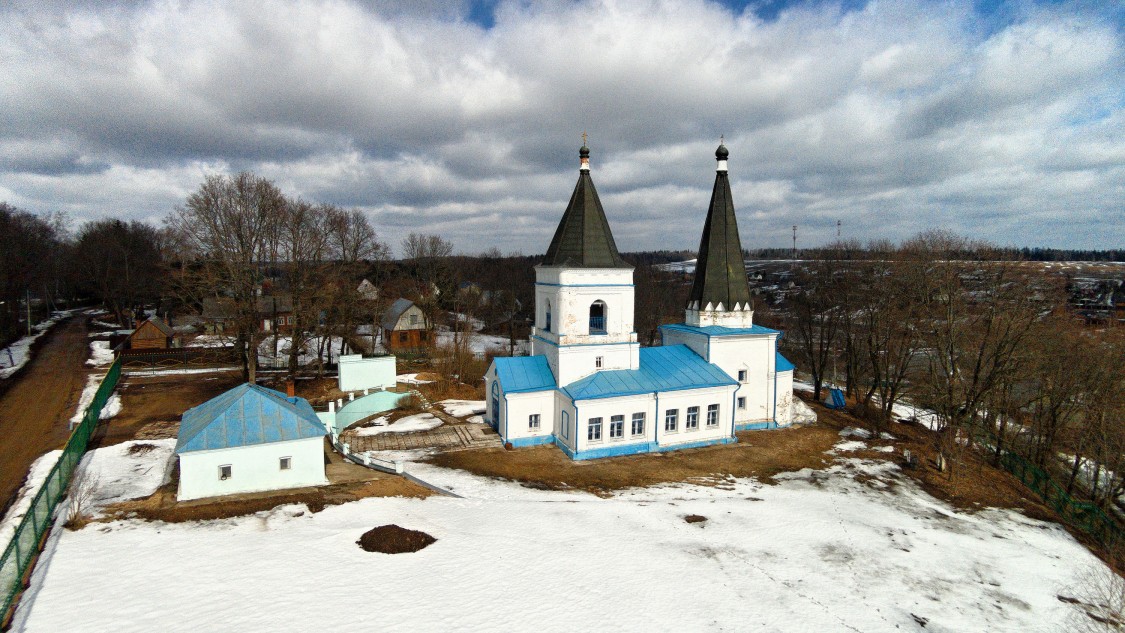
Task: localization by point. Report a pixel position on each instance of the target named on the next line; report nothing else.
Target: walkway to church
(454, 435)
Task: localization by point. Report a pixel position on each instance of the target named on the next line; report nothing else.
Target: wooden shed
(152, 334)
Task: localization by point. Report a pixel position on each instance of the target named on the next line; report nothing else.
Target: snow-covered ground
(818, 551)
(480, 344)
(16, 355)
(411, 379)
(408, 424)
(462, 408)
(308, 349)
(112, 406)
(36, 475)
(100, 354)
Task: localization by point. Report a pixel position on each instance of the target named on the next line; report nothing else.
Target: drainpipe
(733, 411)
(656, 420)
(575, 427)
(506, 417)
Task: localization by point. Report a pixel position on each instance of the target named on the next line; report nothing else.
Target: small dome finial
(721, 153)
(584, 155)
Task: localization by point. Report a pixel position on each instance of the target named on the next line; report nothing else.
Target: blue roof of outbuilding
(244, 416)
(524, 373)
(782, 363)
(719, 330)
(668, 368)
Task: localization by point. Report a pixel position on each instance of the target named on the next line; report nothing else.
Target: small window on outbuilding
(225, 472)
(285, 463)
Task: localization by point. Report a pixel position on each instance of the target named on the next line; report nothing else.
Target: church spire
(720, 284)
(583, 238)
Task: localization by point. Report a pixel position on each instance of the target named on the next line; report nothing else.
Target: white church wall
(696, 342)
(253, 468)
(578, 361)
(755, 355)
(520, 408)
(681, 401)
(564, 421)
(785, 397)
(606, 408)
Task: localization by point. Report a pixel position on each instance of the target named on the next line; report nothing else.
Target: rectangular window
(225, 471)
(617, 427)
(742, 375)
(598, 362)
(742, 403)
(285, 463)
(414, 319)
(533, 421)
(692, 421)
(671, 420)
(564, 420)
(594, 430)
(638, 424)
(712, 415)
(402, 337)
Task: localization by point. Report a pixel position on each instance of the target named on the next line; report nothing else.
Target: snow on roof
(669, 368)
(244, 416)
(524, 373)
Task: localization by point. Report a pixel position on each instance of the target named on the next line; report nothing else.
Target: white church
(592, 390)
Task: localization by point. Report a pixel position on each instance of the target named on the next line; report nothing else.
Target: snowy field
(819, 551)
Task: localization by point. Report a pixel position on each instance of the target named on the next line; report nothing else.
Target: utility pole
(794, 241)
(837, 230)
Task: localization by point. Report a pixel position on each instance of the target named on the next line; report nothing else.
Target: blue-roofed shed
(246, 415)
(661, 369)
(249, 439)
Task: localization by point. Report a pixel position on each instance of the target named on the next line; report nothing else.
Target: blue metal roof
(662, 369)
(524, 373)
(244, 416)
(782, 363)
(719, 330)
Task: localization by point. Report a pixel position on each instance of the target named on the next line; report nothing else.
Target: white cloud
(894, 118)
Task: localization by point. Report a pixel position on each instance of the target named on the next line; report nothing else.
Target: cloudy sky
(1001, 120)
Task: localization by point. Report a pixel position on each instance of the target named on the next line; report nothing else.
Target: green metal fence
(1082, 514)
(29, 535)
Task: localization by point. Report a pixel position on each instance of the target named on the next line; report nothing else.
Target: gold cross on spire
(583, 137)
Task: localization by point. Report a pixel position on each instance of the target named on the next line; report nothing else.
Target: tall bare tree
(233, 223)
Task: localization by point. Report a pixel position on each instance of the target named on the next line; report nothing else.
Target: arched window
(495, 403)
(547, 326)
(597, 317)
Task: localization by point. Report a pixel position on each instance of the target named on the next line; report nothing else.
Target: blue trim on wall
(521, 442)
(757, 426)
(540, 338)
(643, 447)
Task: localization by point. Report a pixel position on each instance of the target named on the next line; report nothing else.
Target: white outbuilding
(249, 439)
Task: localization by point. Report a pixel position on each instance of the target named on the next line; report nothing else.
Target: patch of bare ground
(162, 506)
(759, 454)
(151, 406)
(974, 483)
(392, 539)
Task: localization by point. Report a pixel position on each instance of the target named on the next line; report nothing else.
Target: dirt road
(35, 410)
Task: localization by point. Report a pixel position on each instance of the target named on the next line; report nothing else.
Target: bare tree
(233, 223)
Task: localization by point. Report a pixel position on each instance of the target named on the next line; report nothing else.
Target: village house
(272, 313)
(590, 389)
(249, 439)
(152, 333)
(405, 328)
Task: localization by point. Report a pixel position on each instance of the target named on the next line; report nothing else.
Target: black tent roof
(583, 238)
(720, 273)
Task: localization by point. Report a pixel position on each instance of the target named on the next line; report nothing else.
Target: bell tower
(584, 292)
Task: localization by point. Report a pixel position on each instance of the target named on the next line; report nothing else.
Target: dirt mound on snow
(392, 539)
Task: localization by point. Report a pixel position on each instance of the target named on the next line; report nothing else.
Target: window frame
(564, 422)
(229, 472)
(712, 416)
(742, 402)
(599, 362)
(285, 463)
(616, 427)
(743, 375)
(533, 422)
(591, 425)
(691, 421)
(639, 416)
(673, 416)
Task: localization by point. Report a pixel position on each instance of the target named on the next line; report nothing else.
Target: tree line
(986, 345)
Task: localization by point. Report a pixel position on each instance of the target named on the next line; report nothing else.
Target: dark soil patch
(392, 539)
(695, 518)
(141, 449)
